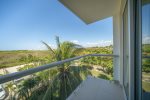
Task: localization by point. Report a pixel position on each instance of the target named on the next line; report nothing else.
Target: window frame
(138, 52)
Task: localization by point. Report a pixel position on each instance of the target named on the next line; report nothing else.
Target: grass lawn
(146, 86)
(101, 75)
(95, 73)
(19, 57)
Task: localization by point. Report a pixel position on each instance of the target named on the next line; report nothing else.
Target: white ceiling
(92, 10)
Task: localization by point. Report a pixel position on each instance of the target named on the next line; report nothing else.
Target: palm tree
(67, 77)
(26, 88)
(9, 86)
(57, 83)
(10, 89)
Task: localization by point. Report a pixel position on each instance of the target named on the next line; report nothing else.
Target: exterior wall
(116, 47)
(118, 23)
(118, 43)
(123, 2)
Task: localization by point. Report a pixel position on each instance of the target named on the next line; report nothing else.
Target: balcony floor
(98, 89)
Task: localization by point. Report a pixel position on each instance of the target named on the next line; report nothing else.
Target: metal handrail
(16, 75)
(146, 56)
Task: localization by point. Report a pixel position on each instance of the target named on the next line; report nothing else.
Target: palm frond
(58, 50)
(51, 89)
(67, 78)
(49, 48)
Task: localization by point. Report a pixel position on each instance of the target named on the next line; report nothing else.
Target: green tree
(67, 77)
(10, 88)
(26, 88)
(146, 65)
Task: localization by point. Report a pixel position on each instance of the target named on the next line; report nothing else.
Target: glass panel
(126, 50)
(59, 82)
(146, 49)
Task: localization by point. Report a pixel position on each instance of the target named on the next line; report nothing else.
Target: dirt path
(13, 69)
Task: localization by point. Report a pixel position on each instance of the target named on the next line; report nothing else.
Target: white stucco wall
(116, 46)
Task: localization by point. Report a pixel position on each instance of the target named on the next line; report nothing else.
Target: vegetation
(146, 49)
(59, 82)
(146, 65)
(19, 57)
(104, 63)
(67, 77)
(146, 86)
(146, 68)
(146, 61)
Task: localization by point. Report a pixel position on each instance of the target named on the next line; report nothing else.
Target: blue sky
(146, 24)
(24, 23)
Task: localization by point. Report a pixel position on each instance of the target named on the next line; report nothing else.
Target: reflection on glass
(146, 49)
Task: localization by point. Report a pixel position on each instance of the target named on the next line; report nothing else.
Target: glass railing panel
(58, 82)
(101, 67)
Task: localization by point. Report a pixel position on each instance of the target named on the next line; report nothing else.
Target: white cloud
(101, 43)
(146, 40)
(75, 41)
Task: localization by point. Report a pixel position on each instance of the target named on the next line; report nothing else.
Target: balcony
(95, 89)
(85, 77)
(90, 87)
